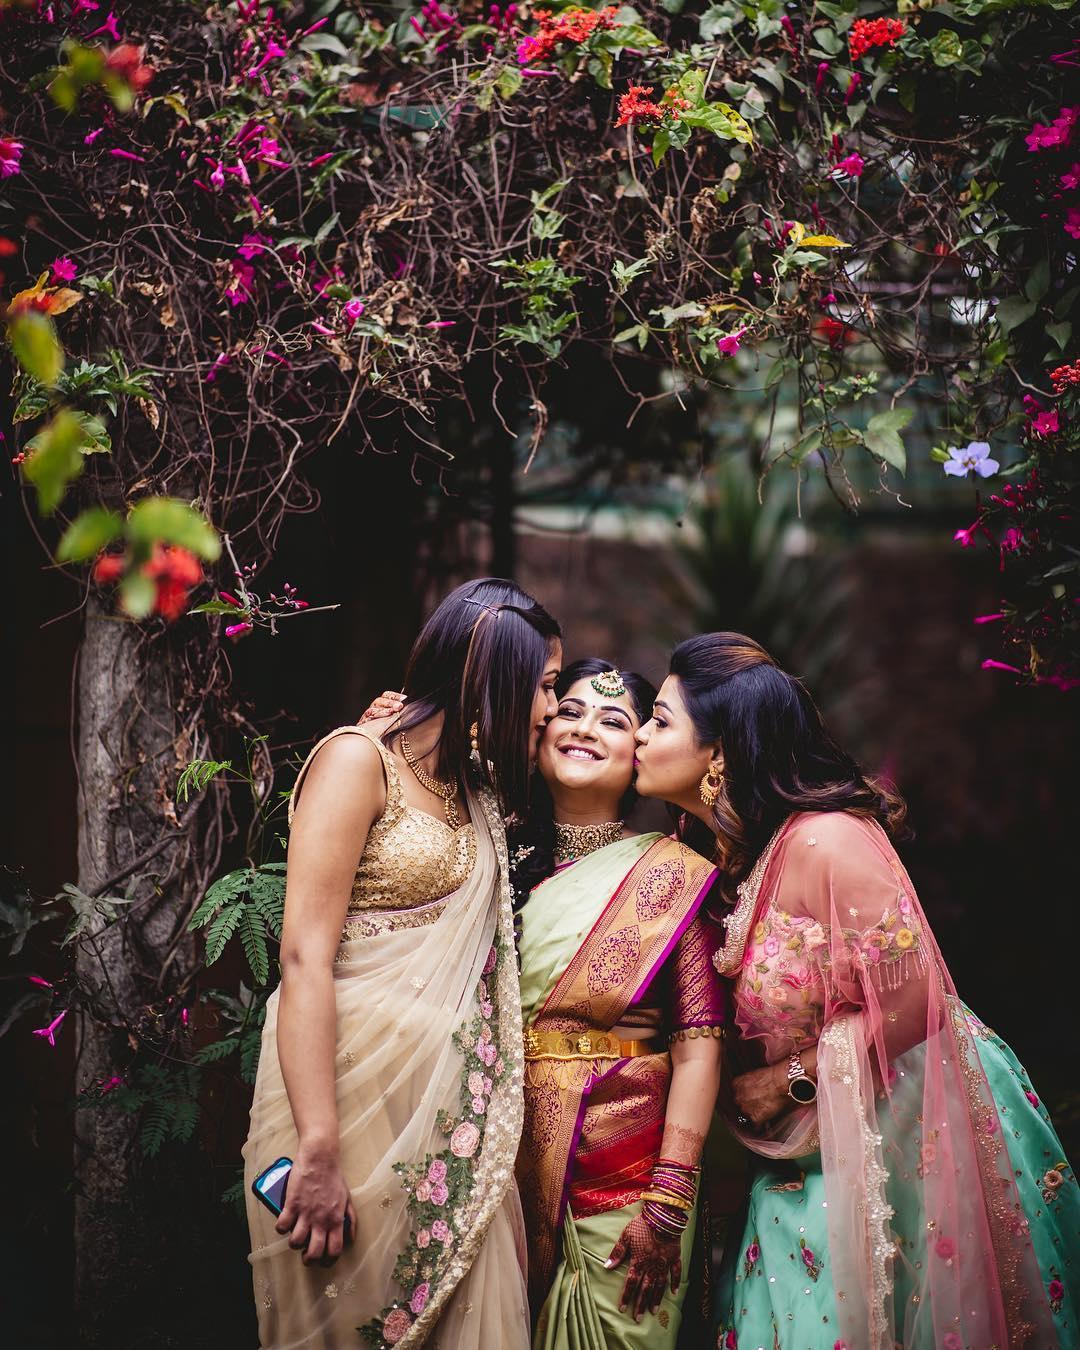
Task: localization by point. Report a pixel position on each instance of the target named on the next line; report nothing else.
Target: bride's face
(589, 743)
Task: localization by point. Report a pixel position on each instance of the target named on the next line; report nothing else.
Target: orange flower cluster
(574, 25)
(1065, 376)
(867, 33)
(636, 105)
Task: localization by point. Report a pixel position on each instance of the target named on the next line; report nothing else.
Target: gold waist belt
(584, 1045)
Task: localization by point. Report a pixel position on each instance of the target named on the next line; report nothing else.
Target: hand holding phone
(313, 1230)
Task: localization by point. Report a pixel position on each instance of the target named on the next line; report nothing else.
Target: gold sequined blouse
(411, 860)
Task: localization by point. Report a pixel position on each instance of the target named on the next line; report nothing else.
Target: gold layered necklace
(447, 791)
(577, 841)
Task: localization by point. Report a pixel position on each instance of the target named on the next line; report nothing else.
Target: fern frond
(222, 929)
(253, 936)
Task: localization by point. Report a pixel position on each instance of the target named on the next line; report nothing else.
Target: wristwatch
(801, 1088)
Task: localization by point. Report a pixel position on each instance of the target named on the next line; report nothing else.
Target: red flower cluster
(126, 61)
(867, 33)
(1065, 377)
(173, 570)
(836, 333)
(636, 106)
(572, 25)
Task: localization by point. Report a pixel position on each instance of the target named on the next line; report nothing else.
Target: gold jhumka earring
(474, 743)
(709, 787)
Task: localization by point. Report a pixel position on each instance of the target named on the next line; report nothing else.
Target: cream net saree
(429, 1096)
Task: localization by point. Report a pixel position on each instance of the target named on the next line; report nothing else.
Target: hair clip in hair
(493, 610)
(609, 684)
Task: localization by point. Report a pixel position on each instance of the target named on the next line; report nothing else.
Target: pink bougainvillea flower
(128, 154)
(63, 269)
(1046, 423)
(10, 156)
(989, 664)
(974, 456)
(111, 26)
(36, 979)
(819, 78)
(729, 344)
(988, 618)
(1071, 178)
(853, 87)
(321, 159)
(217, 178)
(91, 136)
(322, 329)
(110, 1084)
(1072, 221)
(966, 538)
(851, 166)
(238, 630)
(49, 1032)
(253, 245)
(243, 283)
(1011, 540)
(82, 7)
(223, 359)
(440, 323)
(1042, 137)
(352, 311)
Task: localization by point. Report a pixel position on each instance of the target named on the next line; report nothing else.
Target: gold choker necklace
(576, 841)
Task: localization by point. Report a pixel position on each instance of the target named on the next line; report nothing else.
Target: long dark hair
(479, 658)
(531, 840)
(778, 756)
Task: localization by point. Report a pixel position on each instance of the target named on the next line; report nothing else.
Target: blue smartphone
(271, 1183)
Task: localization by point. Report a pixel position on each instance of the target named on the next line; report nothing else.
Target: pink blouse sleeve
(699, 997)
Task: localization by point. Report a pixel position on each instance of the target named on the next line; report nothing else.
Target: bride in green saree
(623, 1014)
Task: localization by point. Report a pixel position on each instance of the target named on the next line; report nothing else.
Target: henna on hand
(655, 1263)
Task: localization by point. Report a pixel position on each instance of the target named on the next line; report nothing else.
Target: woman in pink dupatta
(908, 1187)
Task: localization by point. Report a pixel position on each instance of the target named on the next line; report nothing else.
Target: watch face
(804, 1090)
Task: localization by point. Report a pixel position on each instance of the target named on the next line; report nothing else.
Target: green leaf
(137, 594)
(216, 1050)
(1038, 282)
(882, 437)
(660, 146)
(55, 460)
(1013, 311)
(36, 346)
(170, 521)
(88, 534)
(1060, 332)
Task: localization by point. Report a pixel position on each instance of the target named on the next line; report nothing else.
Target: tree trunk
(128, 842)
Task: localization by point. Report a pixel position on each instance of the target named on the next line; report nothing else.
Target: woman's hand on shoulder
(387, 706)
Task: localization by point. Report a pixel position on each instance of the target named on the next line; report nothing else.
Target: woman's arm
(656, 1260)
(343, 793)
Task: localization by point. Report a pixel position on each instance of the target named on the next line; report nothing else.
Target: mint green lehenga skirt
(775, 1292)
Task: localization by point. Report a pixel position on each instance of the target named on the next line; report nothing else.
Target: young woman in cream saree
(623, 1014)
(391, 1065)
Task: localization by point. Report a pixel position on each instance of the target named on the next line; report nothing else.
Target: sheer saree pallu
(594, 937)
(429, 1092)
(889, 1213)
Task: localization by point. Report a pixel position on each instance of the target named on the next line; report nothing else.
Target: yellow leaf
(796, 232)
(62, 299)
(35, 290)
(823, 241)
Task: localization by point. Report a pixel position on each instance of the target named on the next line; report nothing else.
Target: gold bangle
(692, 1034)
(664, 1198)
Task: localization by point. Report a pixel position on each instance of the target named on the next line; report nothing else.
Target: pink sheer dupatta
(928, 1244)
